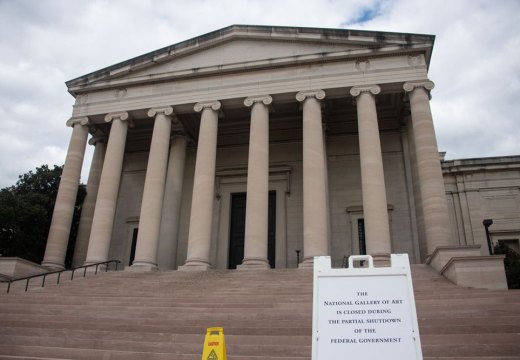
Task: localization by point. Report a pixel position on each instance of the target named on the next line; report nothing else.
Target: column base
(254, 264)
(52, 266)
(381, 260)
(141, 267)
(195, 265)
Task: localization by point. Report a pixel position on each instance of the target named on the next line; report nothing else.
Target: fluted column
(375, 208)
(153, 194)
(315, 229)
(431, 183)
(59, 231)
(106, 202)
(89, 204)
(256, 236)
(172, 204)
(199, 238)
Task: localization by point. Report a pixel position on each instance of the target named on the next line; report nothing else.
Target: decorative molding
(371, 89)
(415, 60)
(412, 85)
(120, 93)
(213, 105)
(363, 65)
(77, 121)
(166, 110)
(122, 115)
(239, 176)
(81, 99)
(265, 99)
(318, 94)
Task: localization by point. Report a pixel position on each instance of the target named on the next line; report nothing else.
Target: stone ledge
(443, 254)
(15, 267)
(481, 272)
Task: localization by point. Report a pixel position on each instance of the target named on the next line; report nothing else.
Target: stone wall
(483, 188)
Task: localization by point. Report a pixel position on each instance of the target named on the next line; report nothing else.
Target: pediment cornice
(366, 44)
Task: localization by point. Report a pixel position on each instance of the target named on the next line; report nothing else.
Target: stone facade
(328, 132)
(484, 188)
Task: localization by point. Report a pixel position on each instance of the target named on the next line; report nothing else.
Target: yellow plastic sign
(214, 344)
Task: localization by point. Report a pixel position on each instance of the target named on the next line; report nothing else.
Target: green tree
(26, 213)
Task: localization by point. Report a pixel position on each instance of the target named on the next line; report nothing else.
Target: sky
(43, 43)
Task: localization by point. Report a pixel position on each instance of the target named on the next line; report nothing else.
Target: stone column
(375, 208)
(256, 236)
(89, 204)
(153, 194)
(315, 229)
(106, 202)
(172, 204)
(199, 238)
(59, 231)
(431, 183)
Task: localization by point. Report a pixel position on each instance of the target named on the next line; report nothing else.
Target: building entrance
(237, 229)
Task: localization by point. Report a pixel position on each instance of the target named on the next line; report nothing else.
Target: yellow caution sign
(214, 344)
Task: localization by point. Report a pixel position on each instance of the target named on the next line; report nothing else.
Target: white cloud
(45, 43)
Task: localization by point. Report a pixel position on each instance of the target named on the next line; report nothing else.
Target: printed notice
(365, 317)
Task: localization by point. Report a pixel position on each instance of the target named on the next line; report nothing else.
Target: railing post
(96, 269)
(72, 275)
(9, 287)
(58, 280)
(85, 271)
(117, 263)
(43, 281)
(27, 284)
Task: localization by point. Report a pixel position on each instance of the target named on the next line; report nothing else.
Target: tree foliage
(26, 213)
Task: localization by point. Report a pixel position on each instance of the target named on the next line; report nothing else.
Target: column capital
(77, 121)
(213, 105)
(177, 127)
(412, 85)
(265, 99)
(166, 110)
(318, 94)
(97, 139)
(358, 90)
(122, 115)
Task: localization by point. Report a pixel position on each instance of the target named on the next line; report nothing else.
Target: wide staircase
(265, 315)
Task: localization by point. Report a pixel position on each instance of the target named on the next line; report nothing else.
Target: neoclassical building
(256, 147)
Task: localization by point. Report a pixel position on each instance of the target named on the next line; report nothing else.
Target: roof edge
(272, 32)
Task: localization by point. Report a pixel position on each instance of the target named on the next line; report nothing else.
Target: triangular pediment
(245, 52)
(243, 48)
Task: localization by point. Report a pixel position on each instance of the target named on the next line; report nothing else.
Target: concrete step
(265, 315)
(44, 352)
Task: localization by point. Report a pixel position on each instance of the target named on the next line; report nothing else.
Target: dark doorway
(132, 249)
(238, 225)
(361, 234)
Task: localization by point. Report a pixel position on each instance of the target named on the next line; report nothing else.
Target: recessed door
(238, 225)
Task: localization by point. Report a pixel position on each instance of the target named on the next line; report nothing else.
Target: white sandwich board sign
(364, 313)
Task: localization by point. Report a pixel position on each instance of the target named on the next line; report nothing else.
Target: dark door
(238, 225)
(132, 249)
(237, 229)
(271, 230)
(361, 234)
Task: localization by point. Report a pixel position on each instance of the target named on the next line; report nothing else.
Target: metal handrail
(85, 267)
